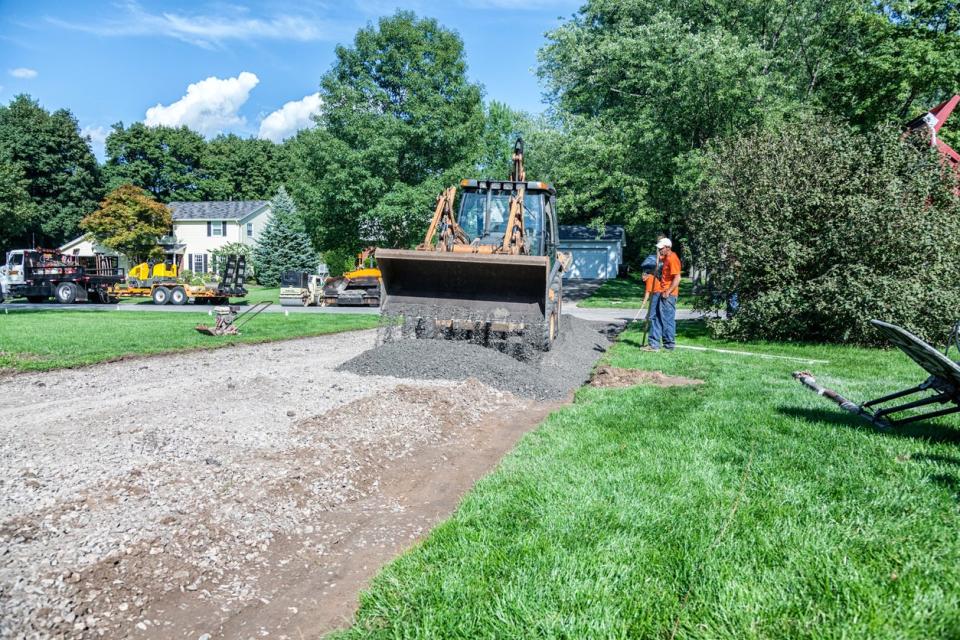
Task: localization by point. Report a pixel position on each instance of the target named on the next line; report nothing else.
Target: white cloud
(210, 106)
(23, 73)
(208, 31)
(98, 139)
(290, 118)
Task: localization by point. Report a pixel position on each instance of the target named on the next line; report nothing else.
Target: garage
(597, 254)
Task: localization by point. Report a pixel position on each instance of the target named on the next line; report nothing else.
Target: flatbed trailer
(172, 291)
(178, 293)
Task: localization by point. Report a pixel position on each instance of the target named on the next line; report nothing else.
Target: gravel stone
(552, 375)
(129, 482)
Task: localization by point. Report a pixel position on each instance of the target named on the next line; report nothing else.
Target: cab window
(472, 208)
(533, 219)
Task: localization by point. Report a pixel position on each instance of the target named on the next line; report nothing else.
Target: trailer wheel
(66, 293)
(161, 295)
(178, 296)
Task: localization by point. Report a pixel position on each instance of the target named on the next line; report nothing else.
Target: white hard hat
(664, 242)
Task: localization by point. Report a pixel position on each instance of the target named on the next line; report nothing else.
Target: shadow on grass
(928, 431)
(923, 430)
(945, 480)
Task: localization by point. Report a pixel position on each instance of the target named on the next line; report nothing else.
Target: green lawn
(746, 507)
(627, 293)
(40, 340)
(261, 294)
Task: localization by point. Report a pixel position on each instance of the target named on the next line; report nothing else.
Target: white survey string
(751, 353)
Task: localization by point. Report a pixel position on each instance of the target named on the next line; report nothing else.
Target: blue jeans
(663, 321)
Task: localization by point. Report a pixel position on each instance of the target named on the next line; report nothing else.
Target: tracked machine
(357, 288)
(490, 272)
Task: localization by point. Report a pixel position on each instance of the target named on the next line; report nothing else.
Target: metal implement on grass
(491, 269)
(229, 321)
(942, 386)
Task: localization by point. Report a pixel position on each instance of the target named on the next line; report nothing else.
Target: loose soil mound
(614, 377)
(554, 375)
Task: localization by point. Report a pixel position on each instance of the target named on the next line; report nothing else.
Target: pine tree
(284, 245)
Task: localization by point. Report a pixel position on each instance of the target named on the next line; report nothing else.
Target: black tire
(66, 293)
(178, 296)
(101, 296)
(161, 295)
(36, 299)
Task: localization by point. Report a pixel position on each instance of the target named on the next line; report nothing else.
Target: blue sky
(254, 67)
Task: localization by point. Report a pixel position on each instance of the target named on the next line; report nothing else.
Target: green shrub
(339, 261)
(819, 228)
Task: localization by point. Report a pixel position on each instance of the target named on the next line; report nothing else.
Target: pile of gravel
(555, 375)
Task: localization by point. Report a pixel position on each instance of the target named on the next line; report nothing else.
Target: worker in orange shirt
(648, 270)
(663, 323)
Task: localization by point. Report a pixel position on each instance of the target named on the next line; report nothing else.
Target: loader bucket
(505, 292)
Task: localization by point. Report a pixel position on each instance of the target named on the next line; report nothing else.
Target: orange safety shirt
(650, 284)
(671, 268)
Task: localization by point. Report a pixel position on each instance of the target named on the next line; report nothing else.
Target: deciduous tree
(236, 168)
(400, 119)
(165, 161)
(667, 76)
(57, 168)
(131, 222)
(18, 212)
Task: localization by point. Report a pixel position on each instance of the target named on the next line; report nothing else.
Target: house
(198, 229)
(596, 255)
(202, 227)
(85, 247)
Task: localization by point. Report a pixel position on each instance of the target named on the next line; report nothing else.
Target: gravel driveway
(249, 491)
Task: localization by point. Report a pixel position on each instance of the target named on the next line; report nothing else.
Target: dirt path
(244, 492)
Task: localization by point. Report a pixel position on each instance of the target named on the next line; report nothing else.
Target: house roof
(582, 232)
(215, 209)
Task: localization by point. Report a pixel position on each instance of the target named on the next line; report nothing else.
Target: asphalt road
(570, 307)
(574, 291)
(169, 308)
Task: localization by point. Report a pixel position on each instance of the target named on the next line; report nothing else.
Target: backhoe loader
(490, 272)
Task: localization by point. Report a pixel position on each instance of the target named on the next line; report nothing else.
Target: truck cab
(13, 269)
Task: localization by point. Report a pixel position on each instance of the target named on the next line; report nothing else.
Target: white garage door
(589, 263)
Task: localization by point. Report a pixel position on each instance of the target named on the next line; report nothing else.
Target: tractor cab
(485, 208)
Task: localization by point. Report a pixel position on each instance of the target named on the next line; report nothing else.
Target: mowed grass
(41, 340)
(747, 507)
(627, 293)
